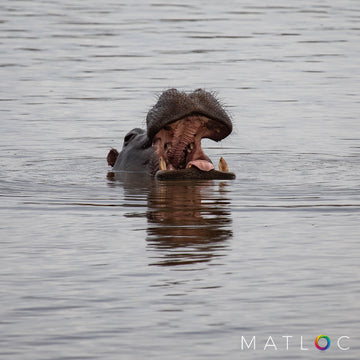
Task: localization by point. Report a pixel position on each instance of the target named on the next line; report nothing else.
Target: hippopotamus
(170, 147)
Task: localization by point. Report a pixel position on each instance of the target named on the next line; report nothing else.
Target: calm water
(133, 269)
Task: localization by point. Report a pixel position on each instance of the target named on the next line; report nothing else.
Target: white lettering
(342, 343)
(287, 340)
(272, 343)
(243, 340)
(338, 343)
(301, 344)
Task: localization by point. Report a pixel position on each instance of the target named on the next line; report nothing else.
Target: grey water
(258, 267)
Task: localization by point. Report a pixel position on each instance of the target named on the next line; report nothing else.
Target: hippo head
(170, 148)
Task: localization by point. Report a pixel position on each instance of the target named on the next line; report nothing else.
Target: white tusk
(162, 163)
(223, 166)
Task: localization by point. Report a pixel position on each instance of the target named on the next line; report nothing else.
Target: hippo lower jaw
(178, 148)
(194, 173)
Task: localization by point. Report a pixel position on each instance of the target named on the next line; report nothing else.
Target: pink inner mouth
(179, 143)
(201, 164)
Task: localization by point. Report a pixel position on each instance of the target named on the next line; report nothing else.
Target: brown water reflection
(188, 221)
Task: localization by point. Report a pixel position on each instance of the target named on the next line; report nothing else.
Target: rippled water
(133, 269)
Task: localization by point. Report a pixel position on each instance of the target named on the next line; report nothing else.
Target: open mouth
(178, 144)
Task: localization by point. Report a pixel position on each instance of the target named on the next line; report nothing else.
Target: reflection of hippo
(170, 148)
(188, 222)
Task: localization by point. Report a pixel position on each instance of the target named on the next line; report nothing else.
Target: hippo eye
(128, 138)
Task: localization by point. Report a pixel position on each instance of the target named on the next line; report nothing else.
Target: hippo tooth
(190, 147)
(162, 163)
(167, 147)
(223, 165)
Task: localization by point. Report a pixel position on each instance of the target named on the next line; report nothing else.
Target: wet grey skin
(170, 147)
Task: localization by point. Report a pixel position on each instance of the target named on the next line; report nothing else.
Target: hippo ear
(128, 137)
(112, 156)
(131, 135)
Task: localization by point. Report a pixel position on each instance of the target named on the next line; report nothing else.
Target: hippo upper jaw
(174, 105)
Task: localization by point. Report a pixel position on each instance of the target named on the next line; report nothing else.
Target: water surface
(131, 269)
